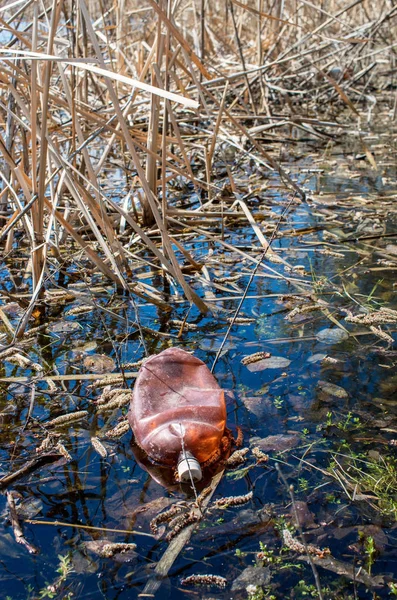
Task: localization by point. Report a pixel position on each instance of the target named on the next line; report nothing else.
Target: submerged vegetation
(220, 176)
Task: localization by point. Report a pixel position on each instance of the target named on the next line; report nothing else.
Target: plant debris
(208, 580)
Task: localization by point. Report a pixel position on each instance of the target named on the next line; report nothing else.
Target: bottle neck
(188, 468)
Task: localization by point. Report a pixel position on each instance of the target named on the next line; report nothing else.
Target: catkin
(188, 519)
(62, 450)
(133, 365)
(107, 394)
(47, 443)
(231, 501)
(381, 334)
(121, 400)
(8, 352)
(237, 458)
(78, 310)
(260, 456)
(252, 358)
(238, 442)
(240, 320)
(186, 326)
(215, 580)
(384, 315)
(111, 549)
(229, 279)
(65, 419)
(165, 516)
(118, 431)
(34, 330)
(108, 380)
(99, 447)
(296, 546)
(24, 362)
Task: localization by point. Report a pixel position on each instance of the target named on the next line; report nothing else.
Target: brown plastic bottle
(178, 411)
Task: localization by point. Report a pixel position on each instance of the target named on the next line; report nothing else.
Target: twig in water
(19, 537)
(313, 566)
(243, 297)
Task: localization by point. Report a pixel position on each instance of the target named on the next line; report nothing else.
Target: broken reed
(56, 115)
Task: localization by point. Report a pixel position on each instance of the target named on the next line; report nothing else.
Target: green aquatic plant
(303, 484)
(371, 477)
(370, 552)
(256, 592)
(278, 402)
(392, 588)
(53, 590)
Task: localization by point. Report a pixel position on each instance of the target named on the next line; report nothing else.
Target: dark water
(291, 400)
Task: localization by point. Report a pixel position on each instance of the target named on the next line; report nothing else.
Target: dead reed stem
(77, 101)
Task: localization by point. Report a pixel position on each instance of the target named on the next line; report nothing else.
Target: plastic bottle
(178, 411)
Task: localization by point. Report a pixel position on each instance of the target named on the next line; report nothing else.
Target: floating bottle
(178, 412)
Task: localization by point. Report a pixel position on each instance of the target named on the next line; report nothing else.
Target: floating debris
(252, 578)
(48, 442)
(99, 363)
(84, 348)
(331, 360)
(330, 389)
(272, 362)
(278, 442)
(63, 452)
(332, 336)
(318, 357)
(64, 327)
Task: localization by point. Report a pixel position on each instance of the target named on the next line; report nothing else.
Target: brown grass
(74, 116)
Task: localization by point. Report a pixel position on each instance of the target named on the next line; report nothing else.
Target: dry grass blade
(134, 83)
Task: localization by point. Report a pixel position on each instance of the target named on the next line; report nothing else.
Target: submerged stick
(28, 467)
(19, 536)
(88, 527)
(176, 545)
(253, 273)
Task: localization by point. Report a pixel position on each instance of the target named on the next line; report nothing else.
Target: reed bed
(117, 117)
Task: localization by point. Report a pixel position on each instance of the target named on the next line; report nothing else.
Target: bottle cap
(188, 462)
